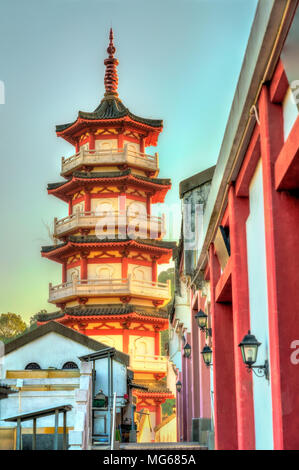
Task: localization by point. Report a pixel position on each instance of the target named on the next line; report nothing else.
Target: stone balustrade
(86, 157)
(109, 287)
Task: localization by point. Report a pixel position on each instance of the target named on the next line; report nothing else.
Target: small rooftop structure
(34, 415)
(196, 180)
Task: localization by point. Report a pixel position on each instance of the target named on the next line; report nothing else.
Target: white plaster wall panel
(103, 204)
(141, 273)
(102, 270)
(175, 348)
(79, 207)
(51, 350)
(106, 144)
(73, 273)
(132, 146)
(290, 112)
(114, 341)
(141, 345)
(85, 146)
(134, 208)
(258, 299)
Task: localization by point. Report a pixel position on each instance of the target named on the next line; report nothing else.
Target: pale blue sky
(179, 61)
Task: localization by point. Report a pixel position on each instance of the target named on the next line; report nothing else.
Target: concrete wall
(258, 299)
(53, 350)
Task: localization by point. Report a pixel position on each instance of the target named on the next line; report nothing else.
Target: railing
(109, 287)
(149, 362)
(99, 220)
(108, 157)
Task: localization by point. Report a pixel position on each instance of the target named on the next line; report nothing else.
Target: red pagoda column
(223, 365)
(281, 211)
(238, 210)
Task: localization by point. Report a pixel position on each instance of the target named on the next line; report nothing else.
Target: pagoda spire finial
(111, 77)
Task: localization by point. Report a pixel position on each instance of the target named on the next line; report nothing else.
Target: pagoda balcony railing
(149, 363)
(106, 223)
(109, 287)
(86, 157)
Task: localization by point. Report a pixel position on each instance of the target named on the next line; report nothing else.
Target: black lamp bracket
(261, 371)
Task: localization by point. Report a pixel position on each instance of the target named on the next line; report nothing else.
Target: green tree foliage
(11, 325)
(164, 276)
(33, 318)
(167, 407)
(164, 342)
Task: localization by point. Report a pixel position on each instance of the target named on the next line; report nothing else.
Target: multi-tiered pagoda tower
(109, 245)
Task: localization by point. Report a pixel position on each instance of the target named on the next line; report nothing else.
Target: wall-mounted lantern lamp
(207, 355)
(202, 322)
(249, 349)
(201, 319)
(178, 386)
(187, 350)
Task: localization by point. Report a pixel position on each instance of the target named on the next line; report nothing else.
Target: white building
(44, 367)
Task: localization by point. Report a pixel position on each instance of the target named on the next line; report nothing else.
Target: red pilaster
(87, 202)
(77, 148)
(204, 374)
(70, 207)
(142, 145)
(124, 268)
(84, 267)
(204, 381)
(181, 408)
(238, 209)
(91, 141)
(157, 342)
(195, 396)
(64, 272)
(185, 393)
(178, 411)
(126, 340)
(282, 246)
(148, 204)
(154, 271)
(223, 366)
(120, 141)
(189, 392)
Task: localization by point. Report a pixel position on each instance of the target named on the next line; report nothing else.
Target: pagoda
(109, 245)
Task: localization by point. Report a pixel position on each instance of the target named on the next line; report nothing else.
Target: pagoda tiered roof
(161, 248)
(153, 389)
(111, 111)
(106, 312)
(79, 180)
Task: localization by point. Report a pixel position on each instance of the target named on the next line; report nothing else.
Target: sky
(179, 60)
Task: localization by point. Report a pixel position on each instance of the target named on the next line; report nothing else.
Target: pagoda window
(140, 347)
(107, 145)
(105, 272)
(70, 365)
(85, 146)
(78, 207)
(103, 208)
(138, 274)
(132, 147)
(73, 274)
(33, 366)
(134, 209)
